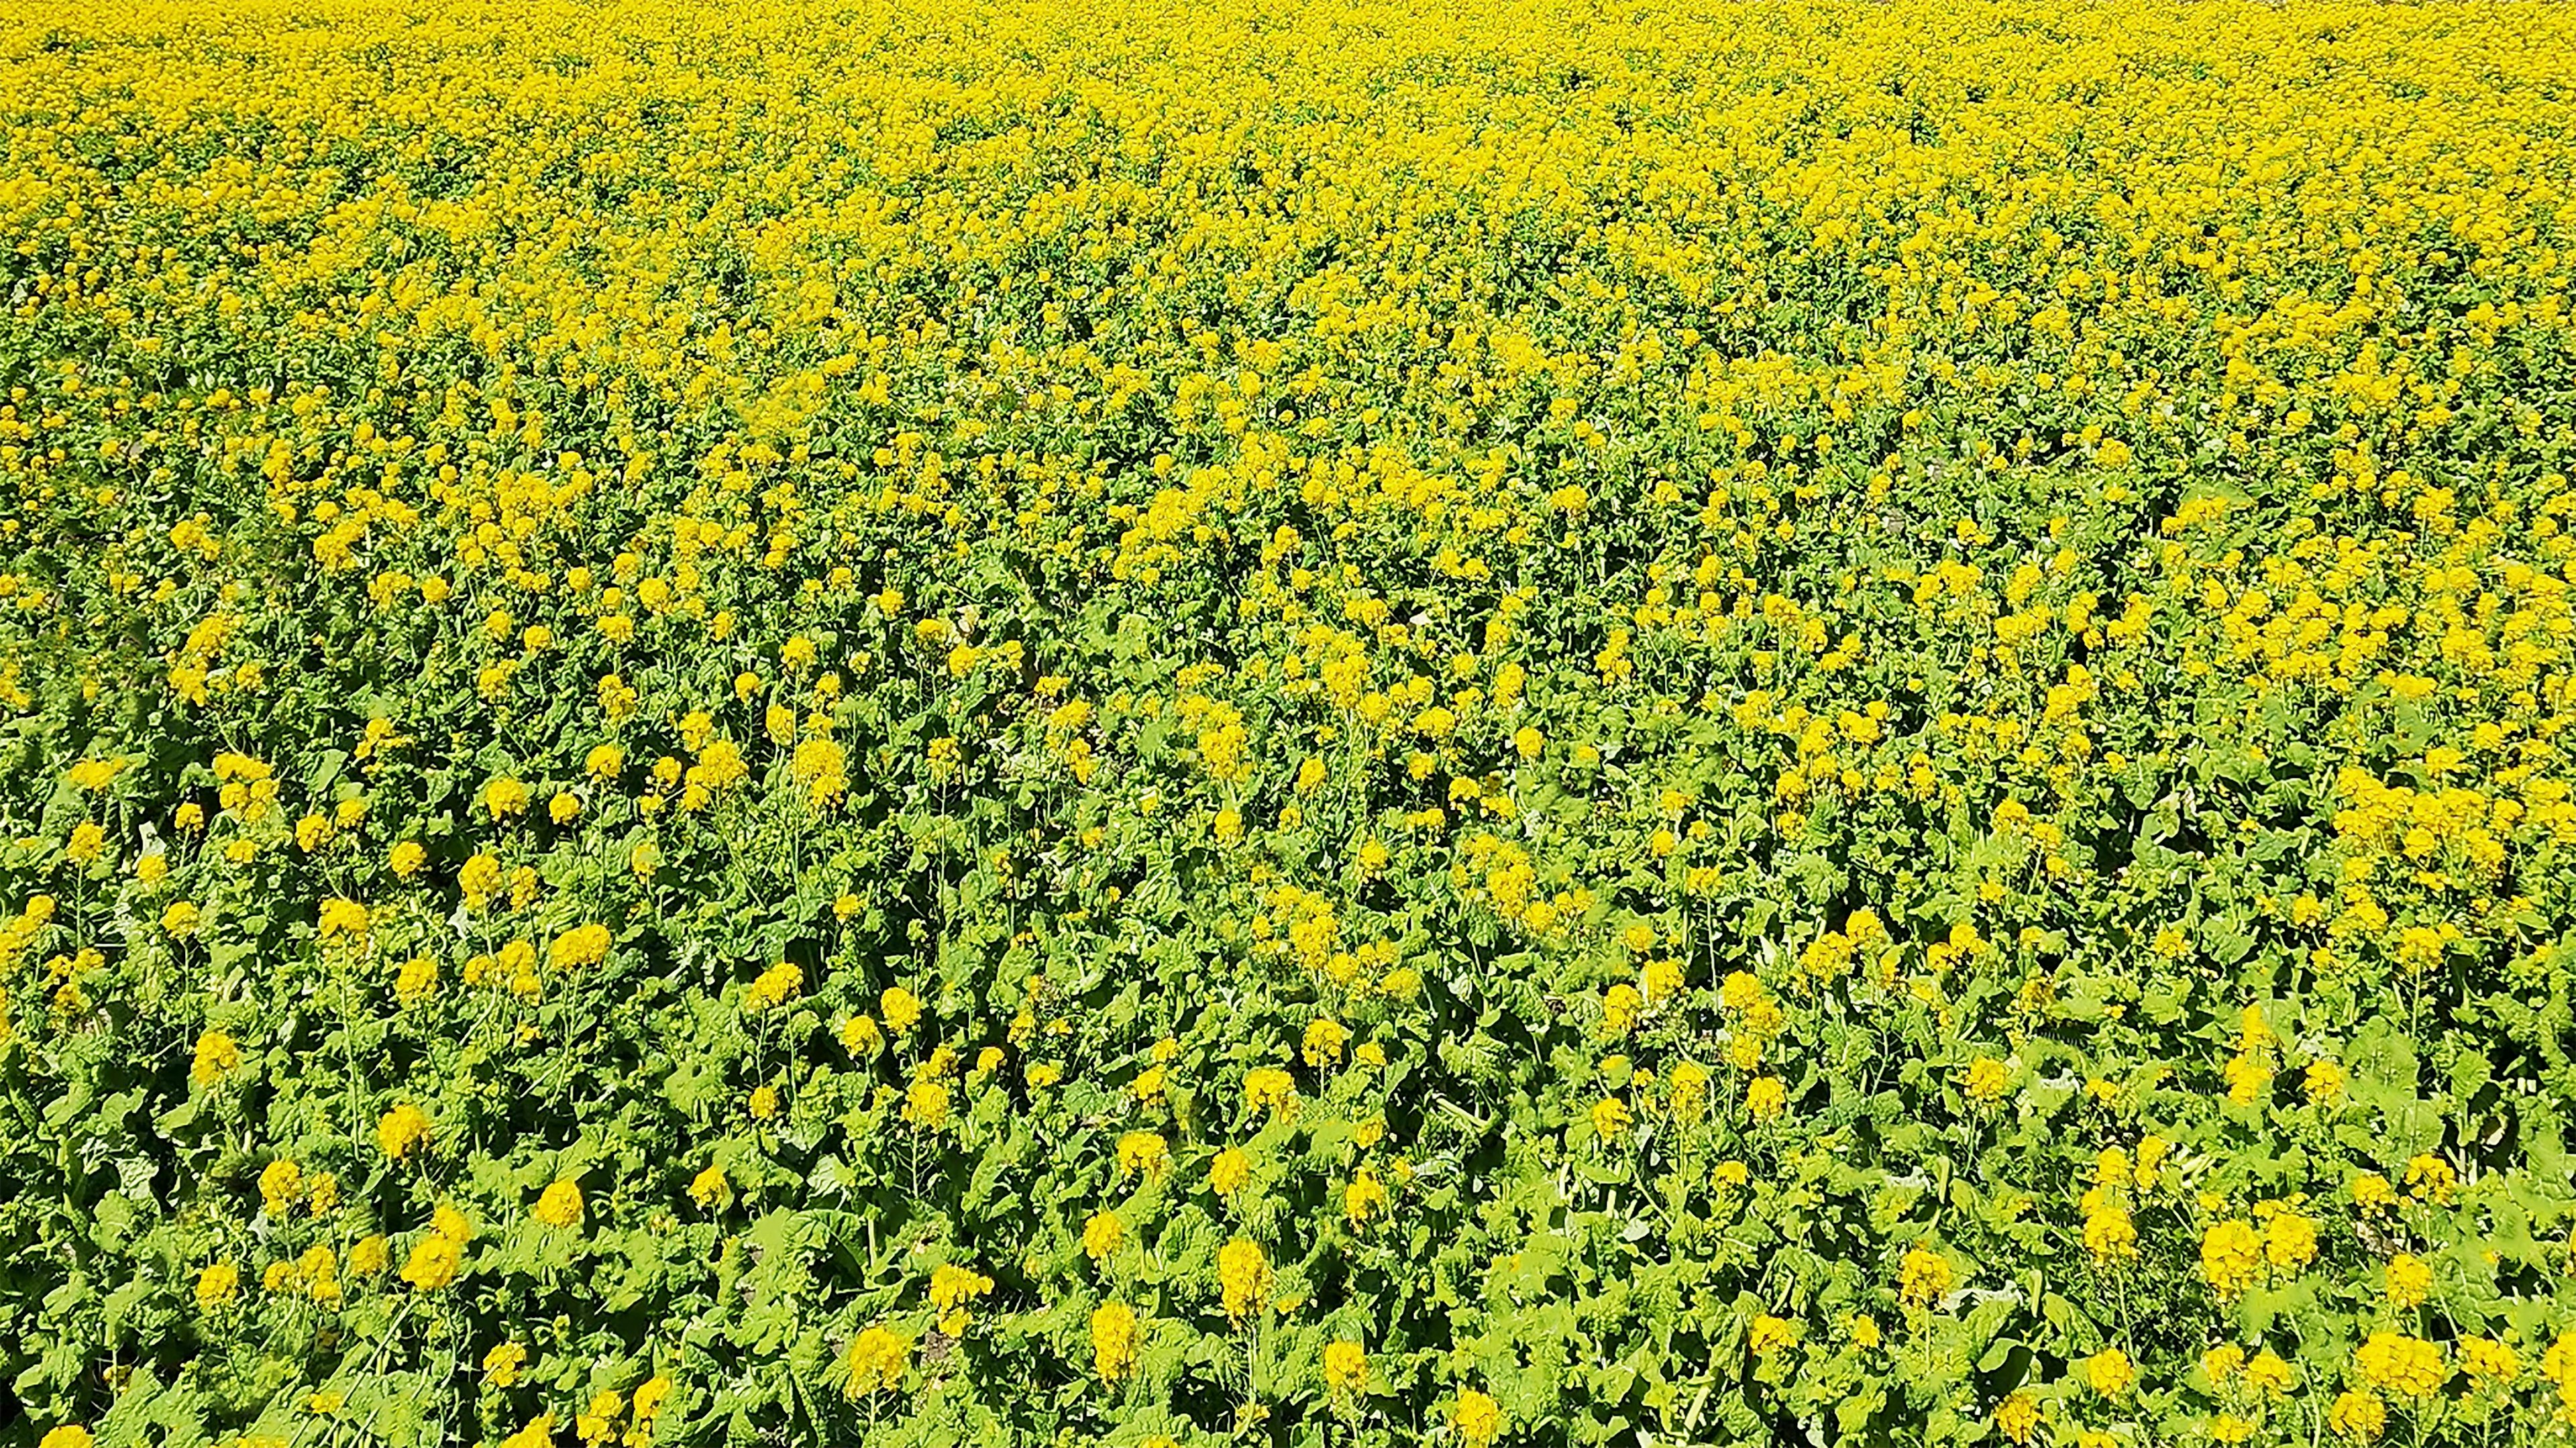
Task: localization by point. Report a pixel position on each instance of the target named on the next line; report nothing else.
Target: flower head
(1346, 1368)
(1923, 1277)
(2110, 1373)
(878, 1357)
(1243, 1277)
(1478, 1418)
(560, 1204)
(401, 1130)
(952, 1288)
(217, 1284)
(1113, 1341)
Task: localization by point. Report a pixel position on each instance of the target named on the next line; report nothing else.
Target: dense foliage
(1501, 723)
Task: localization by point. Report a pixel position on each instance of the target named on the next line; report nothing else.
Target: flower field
(1505, 723)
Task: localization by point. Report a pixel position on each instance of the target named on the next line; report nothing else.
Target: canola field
(1509, 722)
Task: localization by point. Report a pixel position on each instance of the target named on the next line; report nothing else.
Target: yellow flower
(2017, 1417)
(2290, 1240)
(343, 920)
(596, 1420)
(925, 1104)
(2395, 1362)
(1620, 1006)
(1346, 1368)
(1143, 1151)
(583, 945)
(2110, 1235)
(709, 1186)
(399, 1130)
(1923, 1277)
(1364, 1200)
(505, 797)
(2558, 1362)
(1102, 1235)
(901, 1009)
(2231, 1256)
(1311, 776)
(1610, 1118)
(2410, 1281)
(1686, 1091)
(860, 1036)
(2150, 1161)
(1243, 1277)
(1771, 1334)
(479, 878)
(878, 1357)
(69, 1435)
(501, 1365)
(559, 1205)
(2357, 1415)
(1324, 1041)
(951, 1289)
(1227, 1174)
(1662, 979)
(1113, 1341)
(415, 978)
(434, 1262)
(319, 1270)
(1268, 1087)
(2487, 1361)
(1987, 1078)
(2430, 1179)
(216, 1056)
(217, 1284)
(1766, 1098)
(2110, 1373)
(776, 986)
(1477, 1417)
(822, 767)
(281, 1185)
(2270, 1374)
(2247, 1072)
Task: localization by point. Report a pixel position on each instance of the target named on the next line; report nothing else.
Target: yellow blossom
(877, 1359)
(559, 1205)
(1113, 1341)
